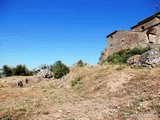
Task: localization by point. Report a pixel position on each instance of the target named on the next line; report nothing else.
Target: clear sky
(36, 32)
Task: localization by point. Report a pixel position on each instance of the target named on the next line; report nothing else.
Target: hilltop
(86, 93)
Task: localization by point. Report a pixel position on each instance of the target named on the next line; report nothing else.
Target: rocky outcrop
(148, 59)
(44, 72)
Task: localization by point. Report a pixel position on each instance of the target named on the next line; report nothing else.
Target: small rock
(145, 90)
(19, 83)
(25, 80)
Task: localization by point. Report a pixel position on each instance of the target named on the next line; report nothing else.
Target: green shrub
(122, 56)
(60, 69)
(80, 63)
(21, 70)
(7, 71)
(119, 57)
(18, 70)
(136, 102)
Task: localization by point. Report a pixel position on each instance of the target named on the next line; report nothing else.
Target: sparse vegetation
(55, 99)
(158, 109)
(122, 56)
(1, 85)
(60, 69)
(121, 67)
(6, 117)
(22, 109)
(76, 81)
(137, 101)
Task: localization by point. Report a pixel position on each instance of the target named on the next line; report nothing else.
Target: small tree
(60, 69)
(7, 71)
(21, 70)
(80, 63)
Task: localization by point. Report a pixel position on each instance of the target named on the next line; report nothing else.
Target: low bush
(60, 69)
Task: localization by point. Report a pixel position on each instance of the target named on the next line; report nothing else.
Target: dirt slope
(89, 93)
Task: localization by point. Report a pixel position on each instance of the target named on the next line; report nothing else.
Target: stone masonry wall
(125, 39)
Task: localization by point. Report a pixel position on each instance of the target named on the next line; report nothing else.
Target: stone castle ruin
(144, 33)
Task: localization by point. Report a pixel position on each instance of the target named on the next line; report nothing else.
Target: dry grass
(97, 92)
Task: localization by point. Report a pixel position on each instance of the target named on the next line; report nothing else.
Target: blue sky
(36, 32)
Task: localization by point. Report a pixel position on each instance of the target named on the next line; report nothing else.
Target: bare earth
(89, 93)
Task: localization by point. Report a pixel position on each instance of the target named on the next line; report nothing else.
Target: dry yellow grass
(89, 93)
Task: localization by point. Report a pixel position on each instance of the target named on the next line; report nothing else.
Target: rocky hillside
(86, 93)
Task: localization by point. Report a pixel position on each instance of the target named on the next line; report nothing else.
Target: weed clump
(76, 81)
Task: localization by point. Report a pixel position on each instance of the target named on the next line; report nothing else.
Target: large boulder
(148, 59)
(44, 72)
